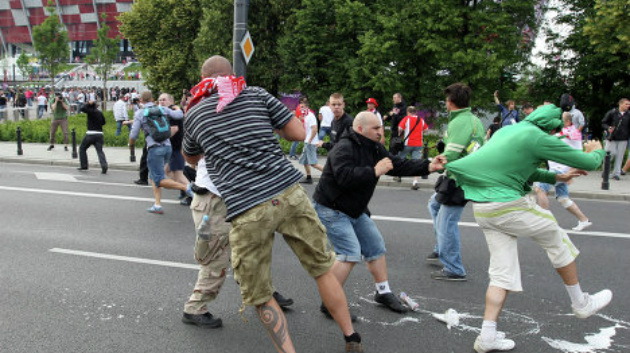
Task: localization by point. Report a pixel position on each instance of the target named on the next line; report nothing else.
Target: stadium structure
(81, 18)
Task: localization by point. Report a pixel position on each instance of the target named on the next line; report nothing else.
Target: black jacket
(95, 119)
(397, 118)
(348, 180)
(337, 129)
(621, 123)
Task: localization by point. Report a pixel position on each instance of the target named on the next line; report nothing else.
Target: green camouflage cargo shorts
(251, 238)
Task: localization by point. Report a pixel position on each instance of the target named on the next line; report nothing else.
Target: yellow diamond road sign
(247, 47)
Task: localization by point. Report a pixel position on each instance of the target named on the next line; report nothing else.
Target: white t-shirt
(41, 100)
(327, 116)
(203, 179)
(81, 98)
(309, 121)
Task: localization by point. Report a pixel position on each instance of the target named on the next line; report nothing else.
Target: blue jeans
(416, 152)
(448, 245)
(350, 237)
(293, 150)
(323, 131)
(119, 124)
(40, 111)
(158, 157)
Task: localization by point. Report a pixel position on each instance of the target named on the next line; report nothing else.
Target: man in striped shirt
(232, 128)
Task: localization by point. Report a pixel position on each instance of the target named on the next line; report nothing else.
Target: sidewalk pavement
(588, 187)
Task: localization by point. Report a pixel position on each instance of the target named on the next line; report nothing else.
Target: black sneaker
(141, 182)
(202, 320)
(50, 148)
(306, 181)
(81, 168)
(282, 301)
(186, 201)
(104, 170)
(325, 311)
(65, 148)
(390, 301)
(433, 256)
(616, 177)
(446, 276)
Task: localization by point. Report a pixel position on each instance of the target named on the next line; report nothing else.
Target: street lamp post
(241, 8)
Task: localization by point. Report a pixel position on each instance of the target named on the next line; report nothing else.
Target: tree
(24, 66)
(608, 30)
(417, 47)
(596, 78)
(162, 33)
(51, 42)
(103, 54)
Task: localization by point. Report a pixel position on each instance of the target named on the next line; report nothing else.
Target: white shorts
(504, 222)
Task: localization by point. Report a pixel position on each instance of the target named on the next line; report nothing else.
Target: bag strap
(414, 127)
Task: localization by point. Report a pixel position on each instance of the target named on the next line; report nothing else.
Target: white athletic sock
(576, 295)
(488, 331)
(383, 287)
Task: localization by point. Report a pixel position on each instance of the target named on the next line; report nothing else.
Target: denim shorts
(156, 160)
(350, 237)
(177, 161)
(415, 151)
(309, 154)
(562, 189)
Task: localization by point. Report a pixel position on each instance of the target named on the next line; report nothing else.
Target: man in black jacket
(397, 114)
(341, 123)
(341, 200)
(93, 136)
(616, 123)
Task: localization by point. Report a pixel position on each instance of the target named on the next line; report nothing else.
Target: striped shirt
(243, 158)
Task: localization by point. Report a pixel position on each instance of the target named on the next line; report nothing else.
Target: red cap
(373, 101)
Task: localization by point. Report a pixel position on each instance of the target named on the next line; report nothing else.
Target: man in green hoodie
(498, 184)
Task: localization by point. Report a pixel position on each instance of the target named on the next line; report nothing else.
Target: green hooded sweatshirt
(501, 170)
(464, 134)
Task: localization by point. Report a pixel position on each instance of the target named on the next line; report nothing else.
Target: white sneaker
(583, 225)
(499, 344)
(594, 303)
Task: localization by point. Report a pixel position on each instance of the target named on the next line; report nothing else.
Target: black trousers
(95, 140)
(144, 169)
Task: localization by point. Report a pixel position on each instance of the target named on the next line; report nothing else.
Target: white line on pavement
(471, 224)
(375, 217)
(85, 194)
(125, 258)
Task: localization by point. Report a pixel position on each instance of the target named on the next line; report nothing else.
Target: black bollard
(132, 154)
(425, 156)
(74, 145)
(19, 141)
(606, 172)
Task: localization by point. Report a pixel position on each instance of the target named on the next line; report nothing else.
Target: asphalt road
(125, 292)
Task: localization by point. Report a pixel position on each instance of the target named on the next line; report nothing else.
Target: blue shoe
(155, 209)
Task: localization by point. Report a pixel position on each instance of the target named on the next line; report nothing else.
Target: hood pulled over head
(547, 118)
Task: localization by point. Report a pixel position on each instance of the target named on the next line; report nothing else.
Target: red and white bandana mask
(228, 87)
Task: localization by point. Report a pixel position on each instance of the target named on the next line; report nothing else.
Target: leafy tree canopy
(50, 40)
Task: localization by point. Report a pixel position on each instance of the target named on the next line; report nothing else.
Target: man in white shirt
(41, 104)
(309, 154)
(325, 117)
(80, 100)
(121, 114)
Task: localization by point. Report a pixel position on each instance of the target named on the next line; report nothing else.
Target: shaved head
(368, 125)
(216, 66)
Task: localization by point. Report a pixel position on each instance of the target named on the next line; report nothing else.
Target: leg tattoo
(276, 325)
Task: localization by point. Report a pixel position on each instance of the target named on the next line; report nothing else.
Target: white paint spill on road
(595, 342)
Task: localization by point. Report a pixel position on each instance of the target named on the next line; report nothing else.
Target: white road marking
(125, 258)
(472, 224)
(86, 194)
(375, 217)
(55, 176)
